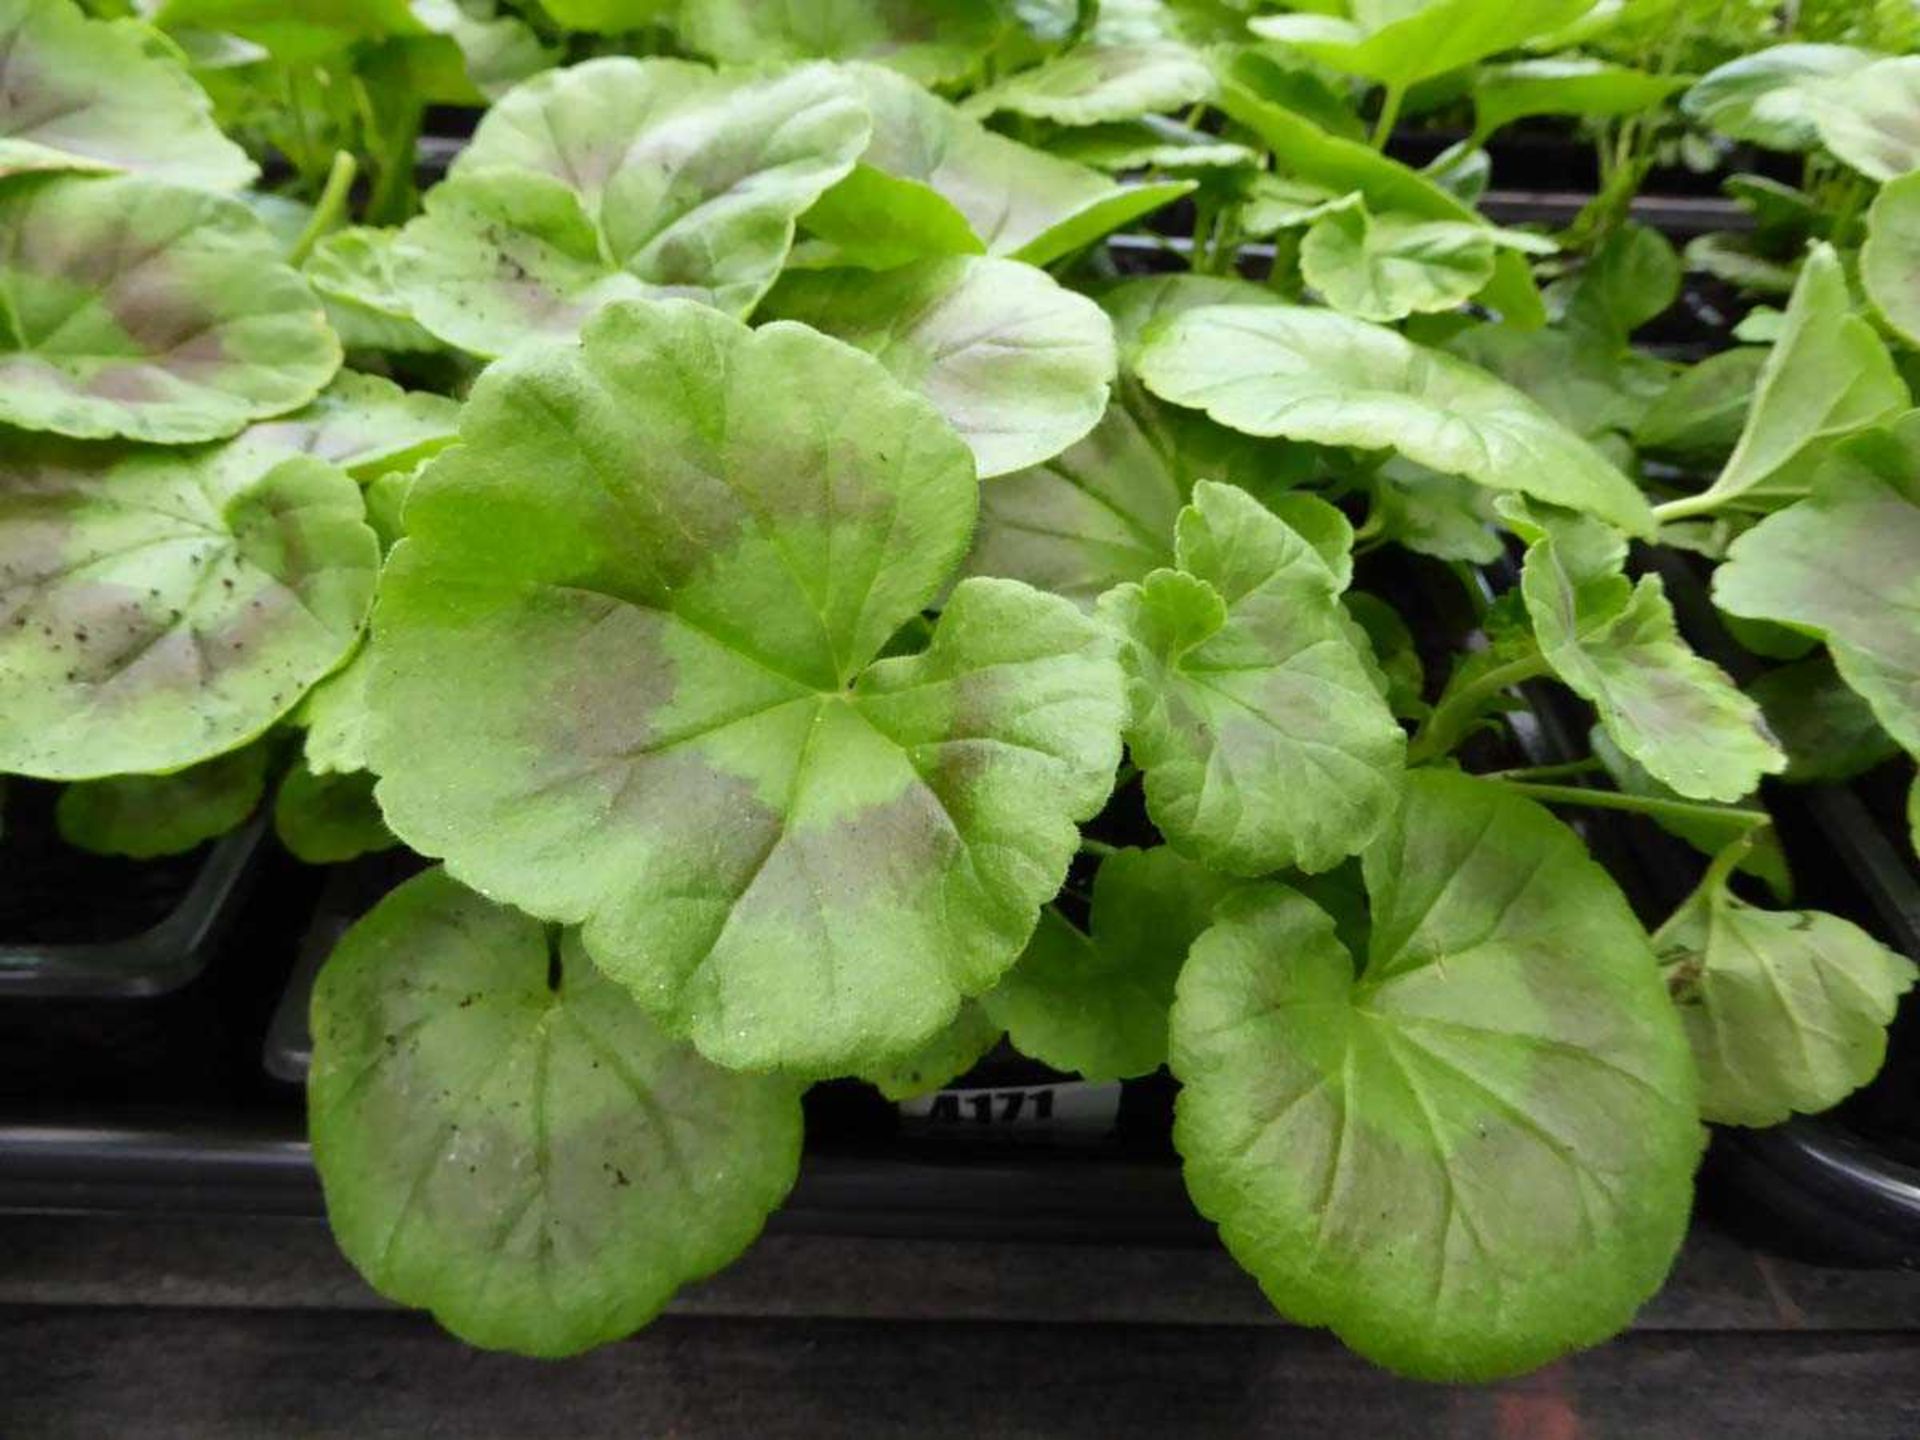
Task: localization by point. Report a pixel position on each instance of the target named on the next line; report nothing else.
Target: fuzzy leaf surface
(540, 1166)
(681, 546)
(1469, 1150)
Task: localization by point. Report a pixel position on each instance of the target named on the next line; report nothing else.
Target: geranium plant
(759, 537)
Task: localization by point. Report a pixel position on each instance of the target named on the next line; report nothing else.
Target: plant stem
(1563, 770)
(1686, 507)
(1448, 723)
(1722, 865)
(1389, 116)
(1091, 846)
(1637, 804)
(330, 207)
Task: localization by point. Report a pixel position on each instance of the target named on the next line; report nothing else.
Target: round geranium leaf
(1018, 365)
(147, 815)
(669, 557)
(157, 610)
(933, 41)
(1264, 740)
(1771, 96)
(1102, 511)
(935, 172)
(1090, 84)
(1787, 1010)
(1096, 1002)
(1309, 374)
(85, 94)
(621, 178)
(1890, 259)
(138, 309)
(1871, 118)
(506, 1139)
(365, 424)
(1470, 1150)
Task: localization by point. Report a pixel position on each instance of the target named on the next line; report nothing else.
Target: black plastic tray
(155, 961)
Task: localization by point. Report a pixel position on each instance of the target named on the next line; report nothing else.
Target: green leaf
(1890, 258)
(337, 719)
(1698, 418)
(1871, 118)
(1272, 203)
(1769, 97)
(533, 1161)
(1387, 267)
(1341, 165)
(159, 609)
(610, 17)
(1632, 278)
(620, 178)
(365, 424)
(148, 815)
(1565, 85)
(1265, 742)
(1387, 644)
(1102, 511)
(1470, 1151)
(298, 32)
(1434, 514)
(1017, 201)
(1828, 731)
(1826, 376)
(90, 95)
(496, 52)
(1616, 644)
(1095, 1003)
(667, 557)
(1091, 84)
(929, 41)
(1151, 142)
(133, 308)
(1409, 44)
(878, 221)
(1137, 304)
(1786, 1010)
(1019, 366)
(352, 271)
(1844, 564)
(331, 818)
(943, 1059)
(1309, 374)
(1595, 388)
(1737, 260)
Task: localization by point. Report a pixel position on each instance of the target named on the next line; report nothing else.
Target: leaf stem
(1647, 805)
(330, 207)
(1447, 726)
(1686, 507)
(1566, 769)
(1723, 864)
(1091, 846)
(1389, 116)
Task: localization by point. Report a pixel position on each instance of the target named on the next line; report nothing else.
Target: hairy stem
(1565, 770)
(328, 211)
(1447, 726)
(1388, 117)
(1648, 805)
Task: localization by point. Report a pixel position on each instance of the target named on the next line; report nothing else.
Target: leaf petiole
(1453, 717)
(1648, 805)
(329, 210)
